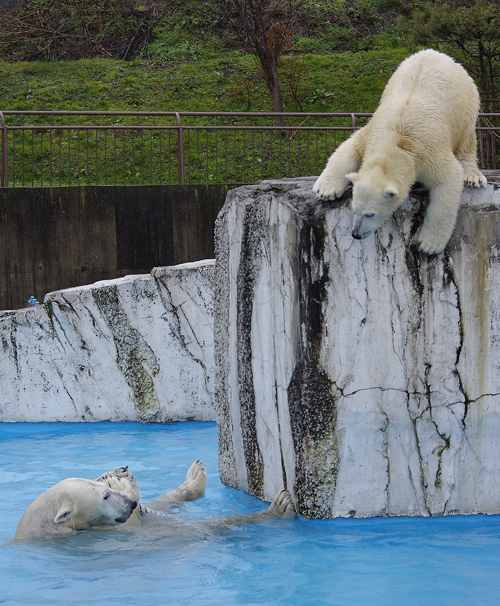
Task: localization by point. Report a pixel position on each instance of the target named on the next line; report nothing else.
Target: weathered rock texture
(361, 375)
(138, 348)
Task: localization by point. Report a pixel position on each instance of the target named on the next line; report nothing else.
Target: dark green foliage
(467, 30)
(167, 30)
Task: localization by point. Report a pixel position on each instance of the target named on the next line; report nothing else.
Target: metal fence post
(481, 151)
(180, 151)
(4, 167)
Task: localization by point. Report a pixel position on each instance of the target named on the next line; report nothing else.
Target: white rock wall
(361, 375)
(139, 348)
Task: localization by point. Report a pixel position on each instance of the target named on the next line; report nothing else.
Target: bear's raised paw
(282, 505)
(194, 486)
(197, 473)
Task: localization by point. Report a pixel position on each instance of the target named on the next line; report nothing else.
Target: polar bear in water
(71, 505)
(78, 504)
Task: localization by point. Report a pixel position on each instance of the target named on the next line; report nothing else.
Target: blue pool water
(451, 561)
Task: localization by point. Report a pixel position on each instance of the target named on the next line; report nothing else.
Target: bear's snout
(123, 518)
(360, 235)
(361, 228)
(133, 505)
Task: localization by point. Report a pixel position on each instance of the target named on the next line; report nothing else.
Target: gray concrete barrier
(61, 237)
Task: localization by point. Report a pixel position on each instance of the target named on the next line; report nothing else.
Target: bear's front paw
(431, 243)
(475, 180)
(282, 505)
(329, 189)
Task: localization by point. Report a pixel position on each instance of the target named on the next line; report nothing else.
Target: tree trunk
(271, 76)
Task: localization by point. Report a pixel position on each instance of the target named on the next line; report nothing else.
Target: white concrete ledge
(139, 348)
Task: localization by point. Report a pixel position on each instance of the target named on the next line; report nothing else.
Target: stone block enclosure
(138, 348)
(361, 375)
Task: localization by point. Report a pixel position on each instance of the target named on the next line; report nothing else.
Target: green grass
(344, 53)
(337, 83)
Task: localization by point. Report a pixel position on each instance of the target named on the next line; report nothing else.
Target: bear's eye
(106, 496)
(369, 215)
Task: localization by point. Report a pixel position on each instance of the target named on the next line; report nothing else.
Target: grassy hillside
(184, 56)
(342, 82)
(179, 58)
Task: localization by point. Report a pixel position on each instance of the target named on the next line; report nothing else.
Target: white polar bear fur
(79, 504)
(122, 479)
(71, 505)
(423, 130)
(193, 488)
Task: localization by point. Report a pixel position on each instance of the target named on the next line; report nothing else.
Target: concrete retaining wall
(60, 237)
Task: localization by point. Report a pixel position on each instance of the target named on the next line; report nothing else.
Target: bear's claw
(330, 189)
(429, 243)
(282, 505)
(475, 180)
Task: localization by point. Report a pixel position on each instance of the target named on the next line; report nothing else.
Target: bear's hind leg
(332, 182)
(441, 213)
(190, 490)
(466, 155)
(281, 507)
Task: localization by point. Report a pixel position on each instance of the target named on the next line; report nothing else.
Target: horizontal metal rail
(180, 147)
(18, 112)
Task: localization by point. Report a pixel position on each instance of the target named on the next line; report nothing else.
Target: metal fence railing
(46, 148)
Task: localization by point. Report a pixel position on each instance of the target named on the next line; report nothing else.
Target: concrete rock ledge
(361, 375)
(139, 348)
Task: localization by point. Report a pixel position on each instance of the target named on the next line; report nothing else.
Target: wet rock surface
(363, 376)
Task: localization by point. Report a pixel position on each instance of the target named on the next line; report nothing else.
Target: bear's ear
(63, 514)
(353, 177)
(391, 191)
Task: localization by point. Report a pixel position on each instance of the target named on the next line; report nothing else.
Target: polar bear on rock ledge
(77, 504)
(423, 130)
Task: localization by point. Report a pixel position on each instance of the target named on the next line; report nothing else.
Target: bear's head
(374, 200)
(72, 505)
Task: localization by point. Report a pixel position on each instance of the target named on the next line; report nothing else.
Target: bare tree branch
(265, 29)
